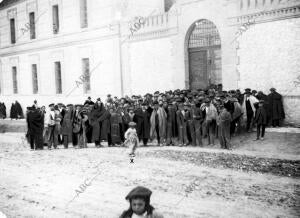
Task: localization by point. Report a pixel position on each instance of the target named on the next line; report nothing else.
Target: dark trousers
(36, 140)
(157, 133)
(75, 139)
(145, 141)
(195, 128)
(263, 127)
(249, 120)
(66, 141)
(233, 125)
(275, 122)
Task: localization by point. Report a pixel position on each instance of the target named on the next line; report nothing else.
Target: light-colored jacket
(253, 100)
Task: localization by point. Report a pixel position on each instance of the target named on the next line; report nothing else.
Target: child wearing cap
(131, 138)
(140, 207)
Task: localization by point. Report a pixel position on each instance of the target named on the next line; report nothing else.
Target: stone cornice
(267, 15)
(51, 45)
(165, 32)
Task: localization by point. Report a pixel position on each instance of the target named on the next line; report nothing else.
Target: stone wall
(269, 56)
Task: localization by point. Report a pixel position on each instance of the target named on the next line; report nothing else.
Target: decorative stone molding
(31, 7)
(14, 61)
(267, 15)
(154, 34)
(11, 13)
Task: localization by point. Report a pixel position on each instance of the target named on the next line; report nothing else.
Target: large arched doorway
(204, 55)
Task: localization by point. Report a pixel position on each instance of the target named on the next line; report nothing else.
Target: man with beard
(35, 122)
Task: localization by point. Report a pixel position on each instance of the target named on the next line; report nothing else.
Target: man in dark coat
(115, 125)
(260, 119)
(2, 111)
(181, 125)
(195, 124)
(19, 110)
(67, 127)
(172, 131)
(88, 101)
(97, 111)
(143, 123)
(261, 96)
(276, 110)
(35, 122)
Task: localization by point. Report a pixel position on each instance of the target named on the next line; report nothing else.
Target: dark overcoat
(276, 110)
(67, 127)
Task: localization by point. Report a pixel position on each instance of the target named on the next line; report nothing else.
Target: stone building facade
(137, 46)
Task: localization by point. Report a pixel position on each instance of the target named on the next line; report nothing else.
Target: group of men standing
(180, 117)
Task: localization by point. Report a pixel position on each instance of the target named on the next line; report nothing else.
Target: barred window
(83, 14)
(205, 34)
(55, 19)
(15, 81)
(86, 75)
(12, 31)
(32, 25)
(35, 86)
(58, 83)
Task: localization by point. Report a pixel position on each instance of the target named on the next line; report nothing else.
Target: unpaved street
(186, 181)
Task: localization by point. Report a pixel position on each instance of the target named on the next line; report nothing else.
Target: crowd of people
(171, 118)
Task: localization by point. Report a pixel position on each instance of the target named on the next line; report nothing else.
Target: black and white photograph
(149, 108)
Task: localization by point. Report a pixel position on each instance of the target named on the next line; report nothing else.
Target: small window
(15, 81)
(58, 84)
(12, 31)
(35, 86)
(83, 14)
(32, 25)
(55, 19)
(86, 75)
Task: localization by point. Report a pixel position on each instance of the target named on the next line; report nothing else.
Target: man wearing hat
(88, 101)
(139, 200)
(50, 124)
(195, 123)
(35, 123)
(143, 127)
(276, 109)
(209, 113)
(172, 131)
(261, 120)
(66, 127)
(249, 108)
(182, 125)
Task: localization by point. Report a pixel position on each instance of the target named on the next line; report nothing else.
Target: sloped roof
(5, 3)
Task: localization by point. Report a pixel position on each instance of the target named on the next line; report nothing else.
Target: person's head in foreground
(139, 200)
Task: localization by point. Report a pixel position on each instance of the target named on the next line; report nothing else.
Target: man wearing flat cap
(140, 207)
(35, 123)
(249, 108)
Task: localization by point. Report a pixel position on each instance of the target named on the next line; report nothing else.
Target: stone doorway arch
(203, 59)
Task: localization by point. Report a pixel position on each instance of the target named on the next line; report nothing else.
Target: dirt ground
(255, 179)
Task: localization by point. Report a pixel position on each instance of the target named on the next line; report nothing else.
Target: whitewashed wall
(270, 57)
